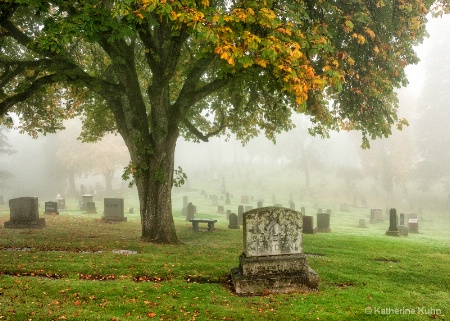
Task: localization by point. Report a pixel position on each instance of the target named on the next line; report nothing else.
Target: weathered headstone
(85, 199)
(345, 207)
(323, 222)
(131, 210)
(376, 215)
(259, 204)
(362, 223)
(308, 225)
(214, 200)
(273, 260)
(228, 214)
(240, 214)
(51, 208)
(185, 204)
(233, 221)
(220, 209)
(24, 213)
(248, 208)
(114, 210)
(413, 225)
(90, 207)
(190, 212)
(393, 229)
(245, 199)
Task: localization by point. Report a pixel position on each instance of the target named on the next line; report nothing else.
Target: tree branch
(199, 134)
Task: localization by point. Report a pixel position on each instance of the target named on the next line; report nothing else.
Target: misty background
(409, 170)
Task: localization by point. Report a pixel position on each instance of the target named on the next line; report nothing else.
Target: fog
(410, 169)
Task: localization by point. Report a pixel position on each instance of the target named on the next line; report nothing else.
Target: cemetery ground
(81, 268)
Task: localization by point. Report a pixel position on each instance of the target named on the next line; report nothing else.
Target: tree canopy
(152, 70)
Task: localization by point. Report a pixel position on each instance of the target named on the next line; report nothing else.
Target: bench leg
(195, 226)
(210, 226)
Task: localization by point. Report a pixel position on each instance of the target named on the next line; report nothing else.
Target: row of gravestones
(24, 212)
(396, 222)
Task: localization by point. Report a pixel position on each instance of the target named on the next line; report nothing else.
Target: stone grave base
(113, 219)
(274, 274)
(393, 233)
(323, 230)
(39, 223)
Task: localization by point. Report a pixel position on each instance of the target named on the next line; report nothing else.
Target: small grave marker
(51, 208)
(114, 210)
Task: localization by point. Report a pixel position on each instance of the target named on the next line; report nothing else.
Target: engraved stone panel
(272, 231)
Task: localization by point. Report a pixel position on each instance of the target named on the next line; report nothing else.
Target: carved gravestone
(24, 213)
(273, 260)
(233, 221)
(114, 210)
(393, 229)
(51, 208)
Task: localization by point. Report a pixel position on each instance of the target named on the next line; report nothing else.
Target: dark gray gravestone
(240, 214)
(308, 225)
(190, 212)
(233, 221)
(259, 204)
(393, 229)
(114, 210)
(273, 260)
(90, 207)
(323, 222)
(51, 208)
(24, 213)
(220, 209)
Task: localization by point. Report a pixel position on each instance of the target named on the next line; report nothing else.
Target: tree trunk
(154, 191)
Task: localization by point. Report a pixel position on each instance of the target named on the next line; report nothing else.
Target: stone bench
(196, 221)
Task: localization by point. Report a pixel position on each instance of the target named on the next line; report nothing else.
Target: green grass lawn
(71, 270)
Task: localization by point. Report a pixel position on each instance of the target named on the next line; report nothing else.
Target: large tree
(154, 69)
